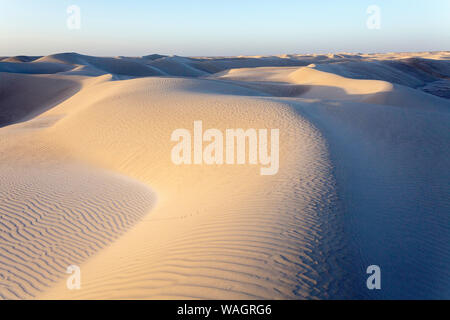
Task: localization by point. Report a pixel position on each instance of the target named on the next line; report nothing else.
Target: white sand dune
(308, 82)
(416, 70)
(56, 216)
(24, 96)
(88, 179)
(33, 68)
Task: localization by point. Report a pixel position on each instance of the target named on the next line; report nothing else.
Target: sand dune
(246, 248)
(19, 59)
(33, 68)
(88, 179)
(308, 81)
(393, 166)
(56, 216)
(427, 71)
(24, 96)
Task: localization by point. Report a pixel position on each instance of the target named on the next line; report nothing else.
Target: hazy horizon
(221, 29)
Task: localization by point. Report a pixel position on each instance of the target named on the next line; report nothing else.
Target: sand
(87, 178)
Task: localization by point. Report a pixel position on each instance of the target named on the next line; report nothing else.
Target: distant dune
(428, 71)
(86, 177)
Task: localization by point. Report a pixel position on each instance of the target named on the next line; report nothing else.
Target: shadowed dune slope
(24, 96)
(392, 167)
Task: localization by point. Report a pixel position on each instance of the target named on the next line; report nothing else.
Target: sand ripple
(53, 217)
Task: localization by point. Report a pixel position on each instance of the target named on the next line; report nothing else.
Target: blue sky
(200, 27)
